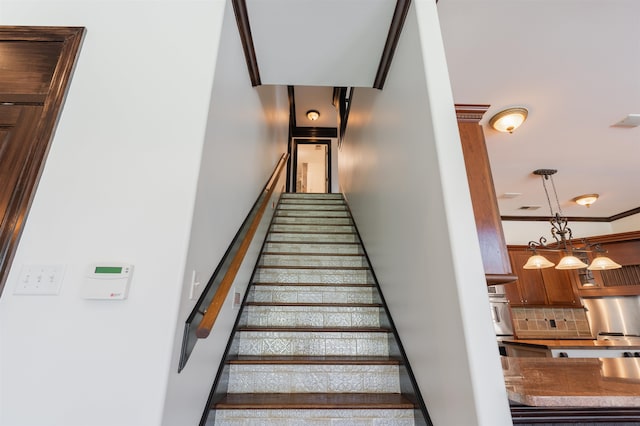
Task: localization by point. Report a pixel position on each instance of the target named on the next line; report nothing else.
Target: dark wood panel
(310, 401)
(558, 283)
(315, 132)
(395, 28)
(8, 115)
(530, 283)
(31, 50)
(15, 153)
(242, 19)
(495, 257)
(27, 66)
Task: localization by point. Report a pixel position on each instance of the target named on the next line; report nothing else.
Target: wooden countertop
(574, 343)
(573, 382)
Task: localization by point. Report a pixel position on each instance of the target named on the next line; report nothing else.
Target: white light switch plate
(39, 280)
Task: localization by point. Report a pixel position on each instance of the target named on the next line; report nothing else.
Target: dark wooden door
(36, 64)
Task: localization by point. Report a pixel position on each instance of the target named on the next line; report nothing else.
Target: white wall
(236, 164)
(628, 224)
(402, 170)
(521, 232)
(120, 184)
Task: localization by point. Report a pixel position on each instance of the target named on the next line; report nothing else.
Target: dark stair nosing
(312, 284)
(314, 224)
(292, 200)
(248, 401)
(318, 329)
(276, 231)
(314, 360)
(314, 242)
(306, 210)
(320, 268)
(317, 305)
(277, 215)
(276, 222)
(293, 253)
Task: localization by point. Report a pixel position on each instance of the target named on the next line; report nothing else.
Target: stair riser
(314, 207)
(313, 276)
(313, 220)
(311, 201)
(333, 417)
(313, 343)
(304, 260)
(297, 316)
(311, 213)
(286, 247)
(311, 195)
(315, 294)
(329, 229)
(313, 378)
(323, 238)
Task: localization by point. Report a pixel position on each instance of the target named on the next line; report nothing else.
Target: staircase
(313, 343)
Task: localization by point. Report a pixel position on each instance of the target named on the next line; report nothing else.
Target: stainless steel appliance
(618, 315)
(501, 315)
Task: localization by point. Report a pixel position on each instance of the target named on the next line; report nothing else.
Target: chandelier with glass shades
(563, 237)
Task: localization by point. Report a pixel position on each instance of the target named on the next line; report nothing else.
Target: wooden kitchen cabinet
(529, 288)
(547, 286)
(623, 248)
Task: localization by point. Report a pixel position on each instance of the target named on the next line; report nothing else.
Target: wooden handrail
(210, 315)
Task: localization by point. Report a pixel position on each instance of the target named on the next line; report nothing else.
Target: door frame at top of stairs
(294, 156)
(39, 64)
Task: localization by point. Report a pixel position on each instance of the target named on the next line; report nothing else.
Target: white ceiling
(315, 98)
(575, 64)
(319, 43)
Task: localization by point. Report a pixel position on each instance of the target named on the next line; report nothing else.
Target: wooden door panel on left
(37, 64)
(14, 155)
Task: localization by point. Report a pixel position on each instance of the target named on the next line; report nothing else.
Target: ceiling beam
(242, 19)
(397, 22)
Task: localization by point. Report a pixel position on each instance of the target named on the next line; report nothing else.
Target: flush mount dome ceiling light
(564, 243)
(313, 115)
(509, 119)
(586, 199)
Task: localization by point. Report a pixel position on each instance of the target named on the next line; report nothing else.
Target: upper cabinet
(547, 286)
(622, 248)
(495, 257)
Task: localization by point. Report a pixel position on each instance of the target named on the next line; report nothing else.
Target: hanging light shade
(509, 119)
(538, 262)
(563, 236)
(602, 263)
(571, 262)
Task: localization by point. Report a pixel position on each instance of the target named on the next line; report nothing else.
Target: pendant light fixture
(563, 237)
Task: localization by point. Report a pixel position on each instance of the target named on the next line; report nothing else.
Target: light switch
(39, 280)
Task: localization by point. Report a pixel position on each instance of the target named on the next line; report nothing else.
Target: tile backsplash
(550, 323)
